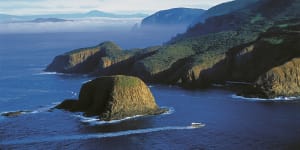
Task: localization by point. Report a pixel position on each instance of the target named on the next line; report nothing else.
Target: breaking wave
(281, 98)
(97, 121)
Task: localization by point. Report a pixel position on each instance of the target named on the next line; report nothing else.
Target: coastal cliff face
(114, 97)
(105, 59)
(172, 62)
(283, 80)
(271, 63)
(83, 60)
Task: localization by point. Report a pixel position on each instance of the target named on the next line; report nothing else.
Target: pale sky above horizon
(29, 7)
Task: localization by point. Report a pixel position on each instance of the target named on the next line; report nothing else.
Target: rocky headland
(258, 45)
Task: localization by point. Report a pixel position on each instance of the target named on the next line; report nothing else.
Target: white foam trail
(263, 99)
(96, 121)
(170, 111)
(93, 136)
(86, 81)
(49, 73)
(151, 86)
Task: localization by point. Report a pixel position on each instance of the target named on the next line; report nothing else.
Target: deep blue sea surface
(231, 123)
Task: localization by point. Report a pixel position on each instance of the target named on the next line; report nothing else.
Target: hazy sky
(23, 7)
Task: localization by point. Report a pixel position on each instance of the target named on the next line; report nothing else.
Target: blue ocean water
(231, 122)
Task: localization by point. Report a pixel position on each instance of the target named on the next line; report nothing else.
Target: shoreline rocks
(15, 113)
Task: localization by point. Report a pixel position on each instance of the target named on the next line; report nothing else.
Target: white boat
(197, 125)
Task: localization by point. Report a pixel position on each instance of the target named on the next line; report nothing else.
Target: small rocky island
(113, 98)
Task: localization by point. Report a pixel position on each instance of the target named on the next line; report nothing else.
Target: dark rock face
(114, 97)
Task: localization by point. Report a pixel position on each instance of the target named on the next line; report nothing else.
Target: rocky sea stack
(114, 97)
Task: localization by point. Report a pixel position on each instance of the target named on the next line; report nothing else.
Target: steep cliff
(283, 80)
(114, 97)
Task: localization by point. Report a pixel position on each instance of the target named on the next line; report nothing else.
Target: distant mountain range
(94, 13)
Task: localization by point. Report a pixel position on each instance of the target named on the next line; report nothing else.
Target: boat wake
(95, 135)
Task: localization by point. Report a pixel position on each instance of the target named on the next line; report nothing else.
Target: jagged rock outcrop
(283, 80)
(114, 97)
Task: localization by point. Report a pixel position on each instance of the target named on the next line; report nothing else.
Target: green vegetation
(125, 81)
(110, 48)
(165, 57)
